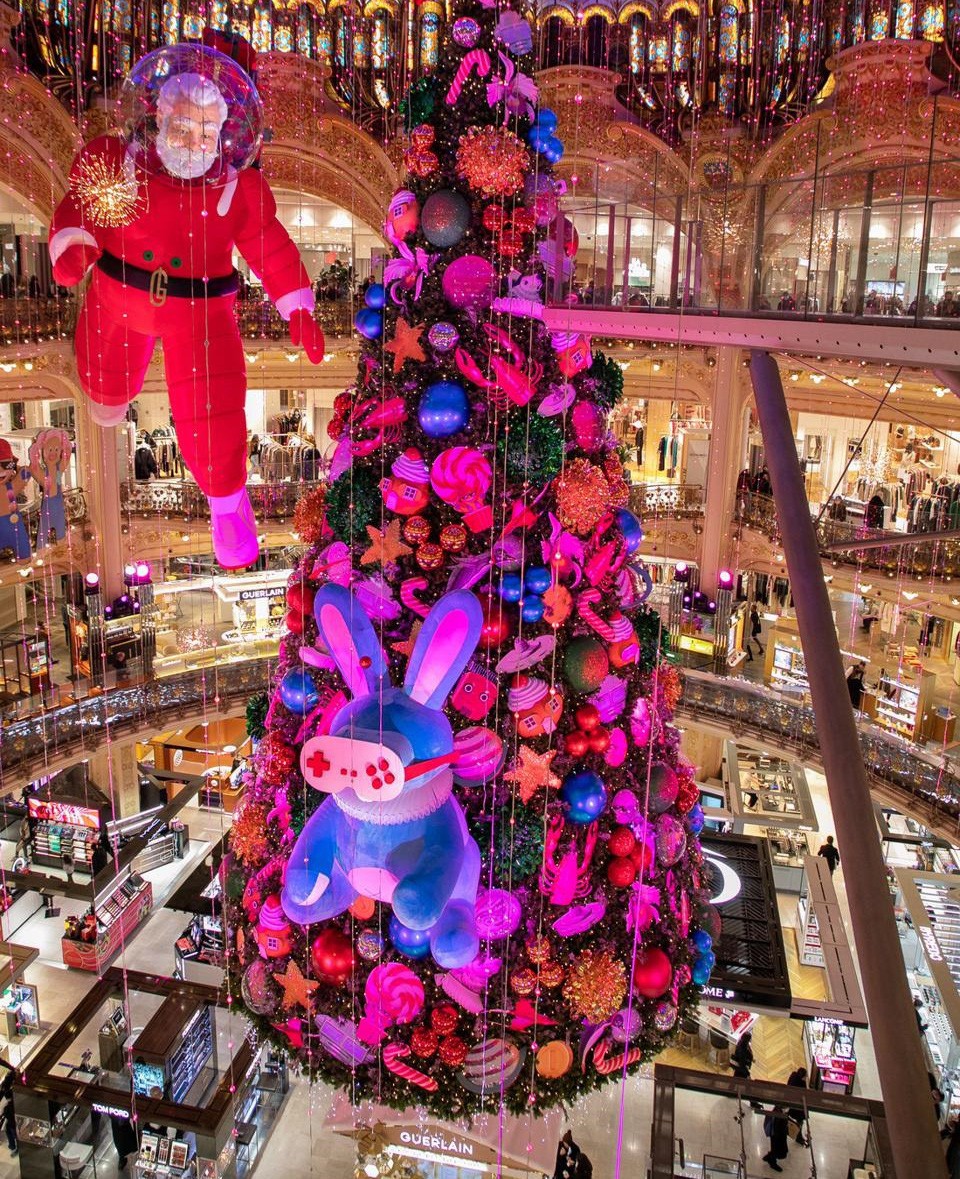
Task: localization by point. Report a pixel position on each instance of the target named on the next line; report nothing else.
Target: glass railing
(675, 501)
(183, 498)
(868, 244)
(927, 785)
(917, 557)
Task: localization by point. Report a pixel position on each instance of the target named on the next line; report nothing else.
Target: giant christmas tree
(466, 871)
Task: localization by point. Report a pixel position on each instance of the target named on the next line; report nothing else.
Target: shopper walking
(775, 1128)
(797, 1114)
(830, 854)
(741, 1061)
(756, 627)
(124, 1139)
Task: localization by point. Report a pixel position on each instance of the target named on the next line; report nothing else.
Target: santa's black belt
(162, 285)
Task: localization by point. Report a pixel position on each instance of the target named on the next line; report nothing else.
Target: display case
(904, 706)
(831, 1061)
(21, 1006)
(173, 1049)
(199, 951)
(91, 945)
(63, 828)
(811, 950)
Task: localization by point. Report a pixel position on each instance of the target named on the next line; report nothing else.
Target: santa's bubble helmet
(190, 111)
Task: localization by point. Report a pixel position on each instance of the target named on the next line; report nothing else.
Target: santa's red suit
(168, 275)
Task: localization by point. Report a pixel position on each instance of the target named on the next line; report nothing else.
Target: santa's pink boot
(234, 529)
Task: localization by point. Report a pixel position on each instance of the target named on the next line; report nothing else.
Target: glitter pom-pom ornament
(493, 161)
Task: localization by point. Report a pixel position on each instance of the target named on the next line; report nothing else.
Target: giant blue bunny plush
(391, 828)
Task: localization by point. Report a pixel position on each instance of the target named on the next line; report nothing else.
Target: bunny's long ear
(350, 638)
(444, 645)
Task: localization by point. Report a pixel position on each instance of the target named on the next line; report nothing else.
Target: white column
(100, 475)
(723, 466)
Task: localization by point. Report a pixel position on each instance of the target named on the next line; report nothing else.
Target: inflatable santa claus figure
(157, 212)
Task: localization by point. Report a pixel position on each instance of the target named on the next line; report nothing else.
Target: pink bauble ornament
(498, 913)
(671, 840)
(479, 755)
(652, 973)
(469, 283)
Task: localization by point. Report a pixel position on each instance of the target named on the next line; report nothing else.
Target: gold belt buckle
(158, 287)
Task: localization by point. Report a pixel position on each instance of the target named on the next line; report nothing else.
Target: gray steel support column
(914, 1137)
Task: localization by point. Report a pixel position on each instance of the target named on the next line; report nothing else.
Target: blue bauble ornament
(532, 609)
(695, 819)
(414, 943)
(443, 409)
(552, 150)
(376, 296)
(536, 579)
(537, 138)
(584, 796)
(700, 971)
(701, 941)
(299, 692)
(511, 587)
(445, 218)
(369, 323)
(547, 121)
(631, 528)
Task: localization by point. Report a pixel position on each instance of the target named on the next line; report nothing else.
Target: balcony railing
(924, 558)
(260, 320)
(677, 501)
(184, 499)
(927, 785)
(32, 321)
(868, 245)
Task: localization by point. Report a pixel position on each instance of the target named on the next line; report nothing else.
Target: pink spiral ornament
(461, 476)
(392, 1056)
(393, 994)
(477, 59)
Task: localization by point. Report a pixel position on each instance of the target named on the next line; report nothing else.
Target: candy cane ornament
(408, 595)
(585, 603)
(392, 1055)
(476, 58)
(605, 1067)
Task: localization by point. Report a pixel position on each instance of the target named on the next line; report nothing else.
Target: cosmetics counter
(91, 940)
(928, 913)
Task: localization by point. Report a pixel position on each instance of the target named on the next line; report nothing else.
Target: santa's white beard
(182, 162)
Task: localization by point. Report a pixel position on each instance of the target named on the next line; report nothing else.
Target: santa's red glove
(74, 263)
(307, 333)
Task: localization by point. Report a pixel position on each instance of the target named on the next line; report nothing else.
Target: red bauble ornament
(622, 841)
(622, 872)
(599, 740)
(587, 717)
(453, 1051)
(416, 530)
(444, 1019)
(430, 556)
(652, 973)
(332, 956)
(497, 622)
(275, 758)
(294, 622)
(493, 218)
(643, 856)
(453, 538)
(576, 743)
(687, 796)
(424, 1042)
(300, 598)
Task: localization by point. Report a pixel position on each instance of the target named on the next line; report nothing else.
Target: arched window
(729, 34)
(680, 57)
(783, 39)
(932, 22)
(382, 40)
(879, 25)
(261, 34)
(552, 43)
(361, 48)
(192, 26)
(340, 39)
(637, 42)
(904, 25)
(218, 14)
(429, 40)
(283, 38)
(595, 41)
(171, 20)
